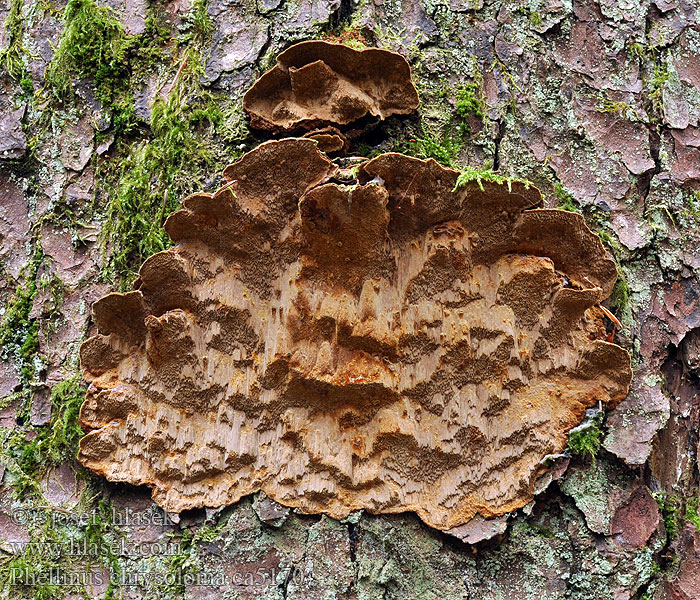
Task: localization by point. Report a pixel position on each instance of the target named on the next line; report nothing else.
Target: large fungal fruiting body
(394, 345)
(319, 83)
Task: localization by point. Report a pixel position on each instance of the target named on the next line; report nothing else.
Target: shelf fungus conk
(317, 83)
(393, 345)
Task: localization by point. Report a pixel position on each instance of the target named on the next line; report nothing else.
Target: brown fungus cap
(396, 345)
(330, 140)
(320, 83)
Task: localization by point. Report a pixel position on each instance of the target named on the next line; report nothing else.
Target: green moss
(620, 299)
(155, 175)
(668, 507)
(99, 532)
(636, 49)
(442, 149)
(13, 57)
(348, 34)
(607, 238)
(537, 529)
(509, 80)
(622, 109)
(198, 25)
(94, 46)
(19, 332)
(586, 439)
(470, 103)
(532, 16)
(147, 179)
(149, 47)
(64, 432)
(184, 563)
(599, 222)
(35, 572)
(178, 564)
(442, 130)
(55, 290)
(480, 175)
(367, 151)
(681, 210)
(692, 208)
(52, 444)
(691, 511)
(535, 19)
(655, 74)
(447, 117)
(565, 200)
(657, 82)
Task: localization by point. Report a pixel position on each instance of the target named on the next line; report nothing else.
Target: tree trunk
(111, 114)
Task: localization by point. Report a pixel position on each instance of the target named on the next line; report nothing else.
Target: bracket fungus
(393, 345)
(319, 83)
(330, 140)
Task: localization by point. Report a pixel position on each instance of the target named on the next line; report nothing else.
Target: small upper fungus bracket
(392, 345)
(317, 83)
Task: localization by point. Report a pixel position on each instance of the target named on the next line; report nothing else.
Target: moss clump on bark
(565, 199)
(585, 440)
(149, 178)
(53, 443)
(426, 145)
(19, 331)
(94, 46)
(691, 511)
(480, 175)
(156, 174)
(13, 56)
(470, 103)
(668, 507)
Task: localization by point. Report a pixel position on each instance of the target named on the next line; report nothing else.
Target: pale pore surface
(389, 346)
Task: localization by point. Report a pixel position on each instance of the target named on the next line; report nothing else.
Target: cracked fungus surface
(318, 83)
(393, 345)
